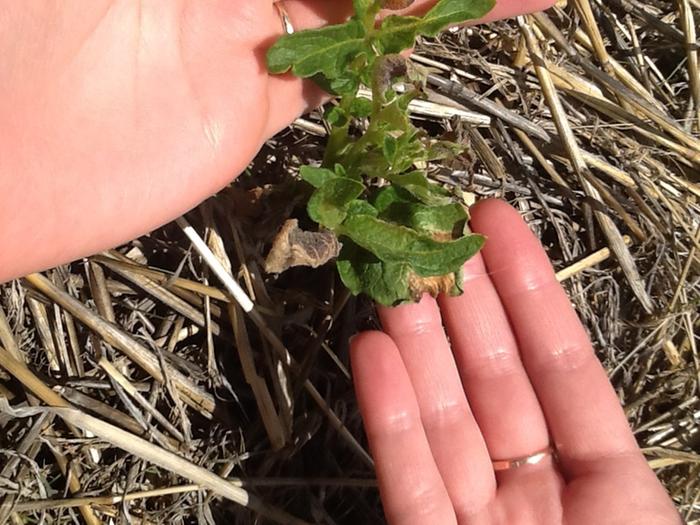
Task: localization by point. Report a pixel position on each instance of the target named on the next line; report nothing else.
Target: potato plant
(402, 235)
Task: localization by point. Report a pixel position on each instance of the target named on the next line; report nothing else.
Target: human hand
(520, 374)
(119, 115)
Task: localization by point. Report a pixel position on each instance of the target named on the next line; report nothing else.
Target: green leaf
(399, 244)
(400, 32)
(362, 272)
(336, 116)
(361, 107)
(345, 85)
(389, 195)
(328, 51)
(361, 207)
(366, 10)
(328, 205)
(427, 195)
(410, 150)
(317, 177)
(458, 288)
(362, 7)
(418, 185)
(394, 243)
(426, 219)
(390, 146)
(451, 12)
(394, 117)
(340, 170)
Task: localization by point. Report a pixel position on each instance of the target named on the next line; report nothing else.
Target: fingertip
(488, 210)
(373, 356)
(382, 385)
(364, 342)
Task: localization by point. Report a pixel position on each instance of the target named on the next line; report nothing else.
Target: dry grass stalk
(165, 296)
(41, 320)
(689, 27)
(121, 340)
(587, 262)
(620, 89)
(276, 431)
(19, 371)
(7, 338)
(116, 260)
(100, 292)
(112, 371)
(230, 489)
(37, 505)
(611, 231)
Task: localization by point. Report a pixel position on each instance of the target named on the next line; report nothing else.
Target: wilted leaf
(443, 149)
(395, 243)
(295, 247)
(388, 68)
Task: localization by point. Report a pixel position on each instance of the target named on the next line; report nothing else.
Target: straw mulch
(178, 408)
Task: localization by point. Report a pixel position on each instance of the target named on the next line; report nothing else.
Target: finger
(291, 97)
(455, 439)
(409, 482)
(497, 386)
(582, 411)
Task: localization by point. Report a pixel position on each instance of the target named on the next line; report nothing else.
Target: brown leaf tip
(418, 286)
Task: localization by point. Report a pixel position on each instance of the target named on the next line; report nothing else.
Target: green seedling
(402, 235)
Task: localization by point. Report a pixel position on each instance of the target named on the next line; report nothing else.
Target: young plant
(402, 235)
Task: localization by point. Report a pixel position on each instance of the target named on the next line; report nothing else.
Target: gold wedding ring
(287, 26)
(532, 459)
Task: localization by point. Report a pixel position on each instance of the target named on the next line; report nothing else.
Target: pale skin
(119, 115)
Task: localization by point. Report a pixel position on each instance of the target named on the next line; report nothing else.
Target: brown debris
(295, 247)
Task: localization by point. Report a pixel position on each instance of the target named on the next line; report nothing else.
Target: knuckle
(445, 415)
(425, 506)
(401, 422)
(562, 358)
(497, 361)
(423, 326)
